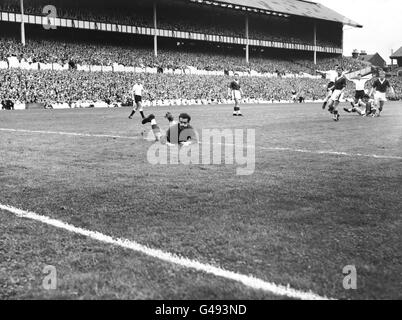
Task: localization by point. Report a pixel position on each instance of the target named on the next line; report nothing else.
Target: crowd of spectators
(347, 63)
(72, 86)
(87, 53)
(47, 86)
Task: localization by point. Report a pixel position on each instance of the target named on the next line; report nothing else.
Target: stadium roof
(367, 57)
(397, 54)
(290, 7)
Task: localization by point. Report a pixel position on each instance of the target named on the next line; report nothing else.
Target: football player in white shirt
(331, 76)
(136, 94)
(360, 83)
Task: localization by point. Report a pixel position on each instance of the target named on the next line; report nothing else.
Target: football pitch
(324, 195)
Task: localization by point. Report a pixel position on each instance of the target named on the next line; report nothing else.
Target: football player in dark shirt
(339, 89)
(181, 133)
(235, 92)
(380, 88)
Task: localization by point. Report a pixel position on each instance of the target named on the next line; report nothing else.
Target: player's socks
(156, 130)
(131, 115)
(336, 115)
(324, 105)
(142, 114)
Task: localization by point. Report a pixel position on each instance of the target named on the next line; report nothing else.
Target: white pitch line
(326, 152)
(248, 281)
(323, 152)
(335, 153)
(70, 134)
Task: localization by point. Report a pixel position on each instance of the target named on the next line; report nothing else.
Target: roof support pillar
(247, 42)
(155, 31)
(315, 42)
(22, 23)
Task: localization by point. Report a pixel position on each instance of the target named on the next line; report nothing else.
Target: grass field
(320, 199)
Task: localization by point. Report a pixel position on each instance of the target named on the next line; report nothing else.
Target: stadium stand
(87, 53)
(83, 87)
(72, 50)
(217, 21)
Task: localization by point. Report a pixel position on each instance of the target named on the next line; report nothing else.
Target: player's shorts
(337, 95)
(137, 99)
(236, 95)
(380, 96)
(330, 85)
(359, 94)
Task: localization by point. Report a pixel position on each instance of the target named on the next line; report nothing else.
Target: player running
(294, 96)
(236, 92)
(339, 90)
(331, 75)
(380, 88)
(136, 93)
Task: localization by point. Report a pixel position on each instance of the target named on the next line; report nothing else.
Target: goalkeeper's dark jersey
(176, 134)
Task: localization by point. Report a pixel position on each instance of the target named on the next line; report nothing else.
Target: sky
(382, 25)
